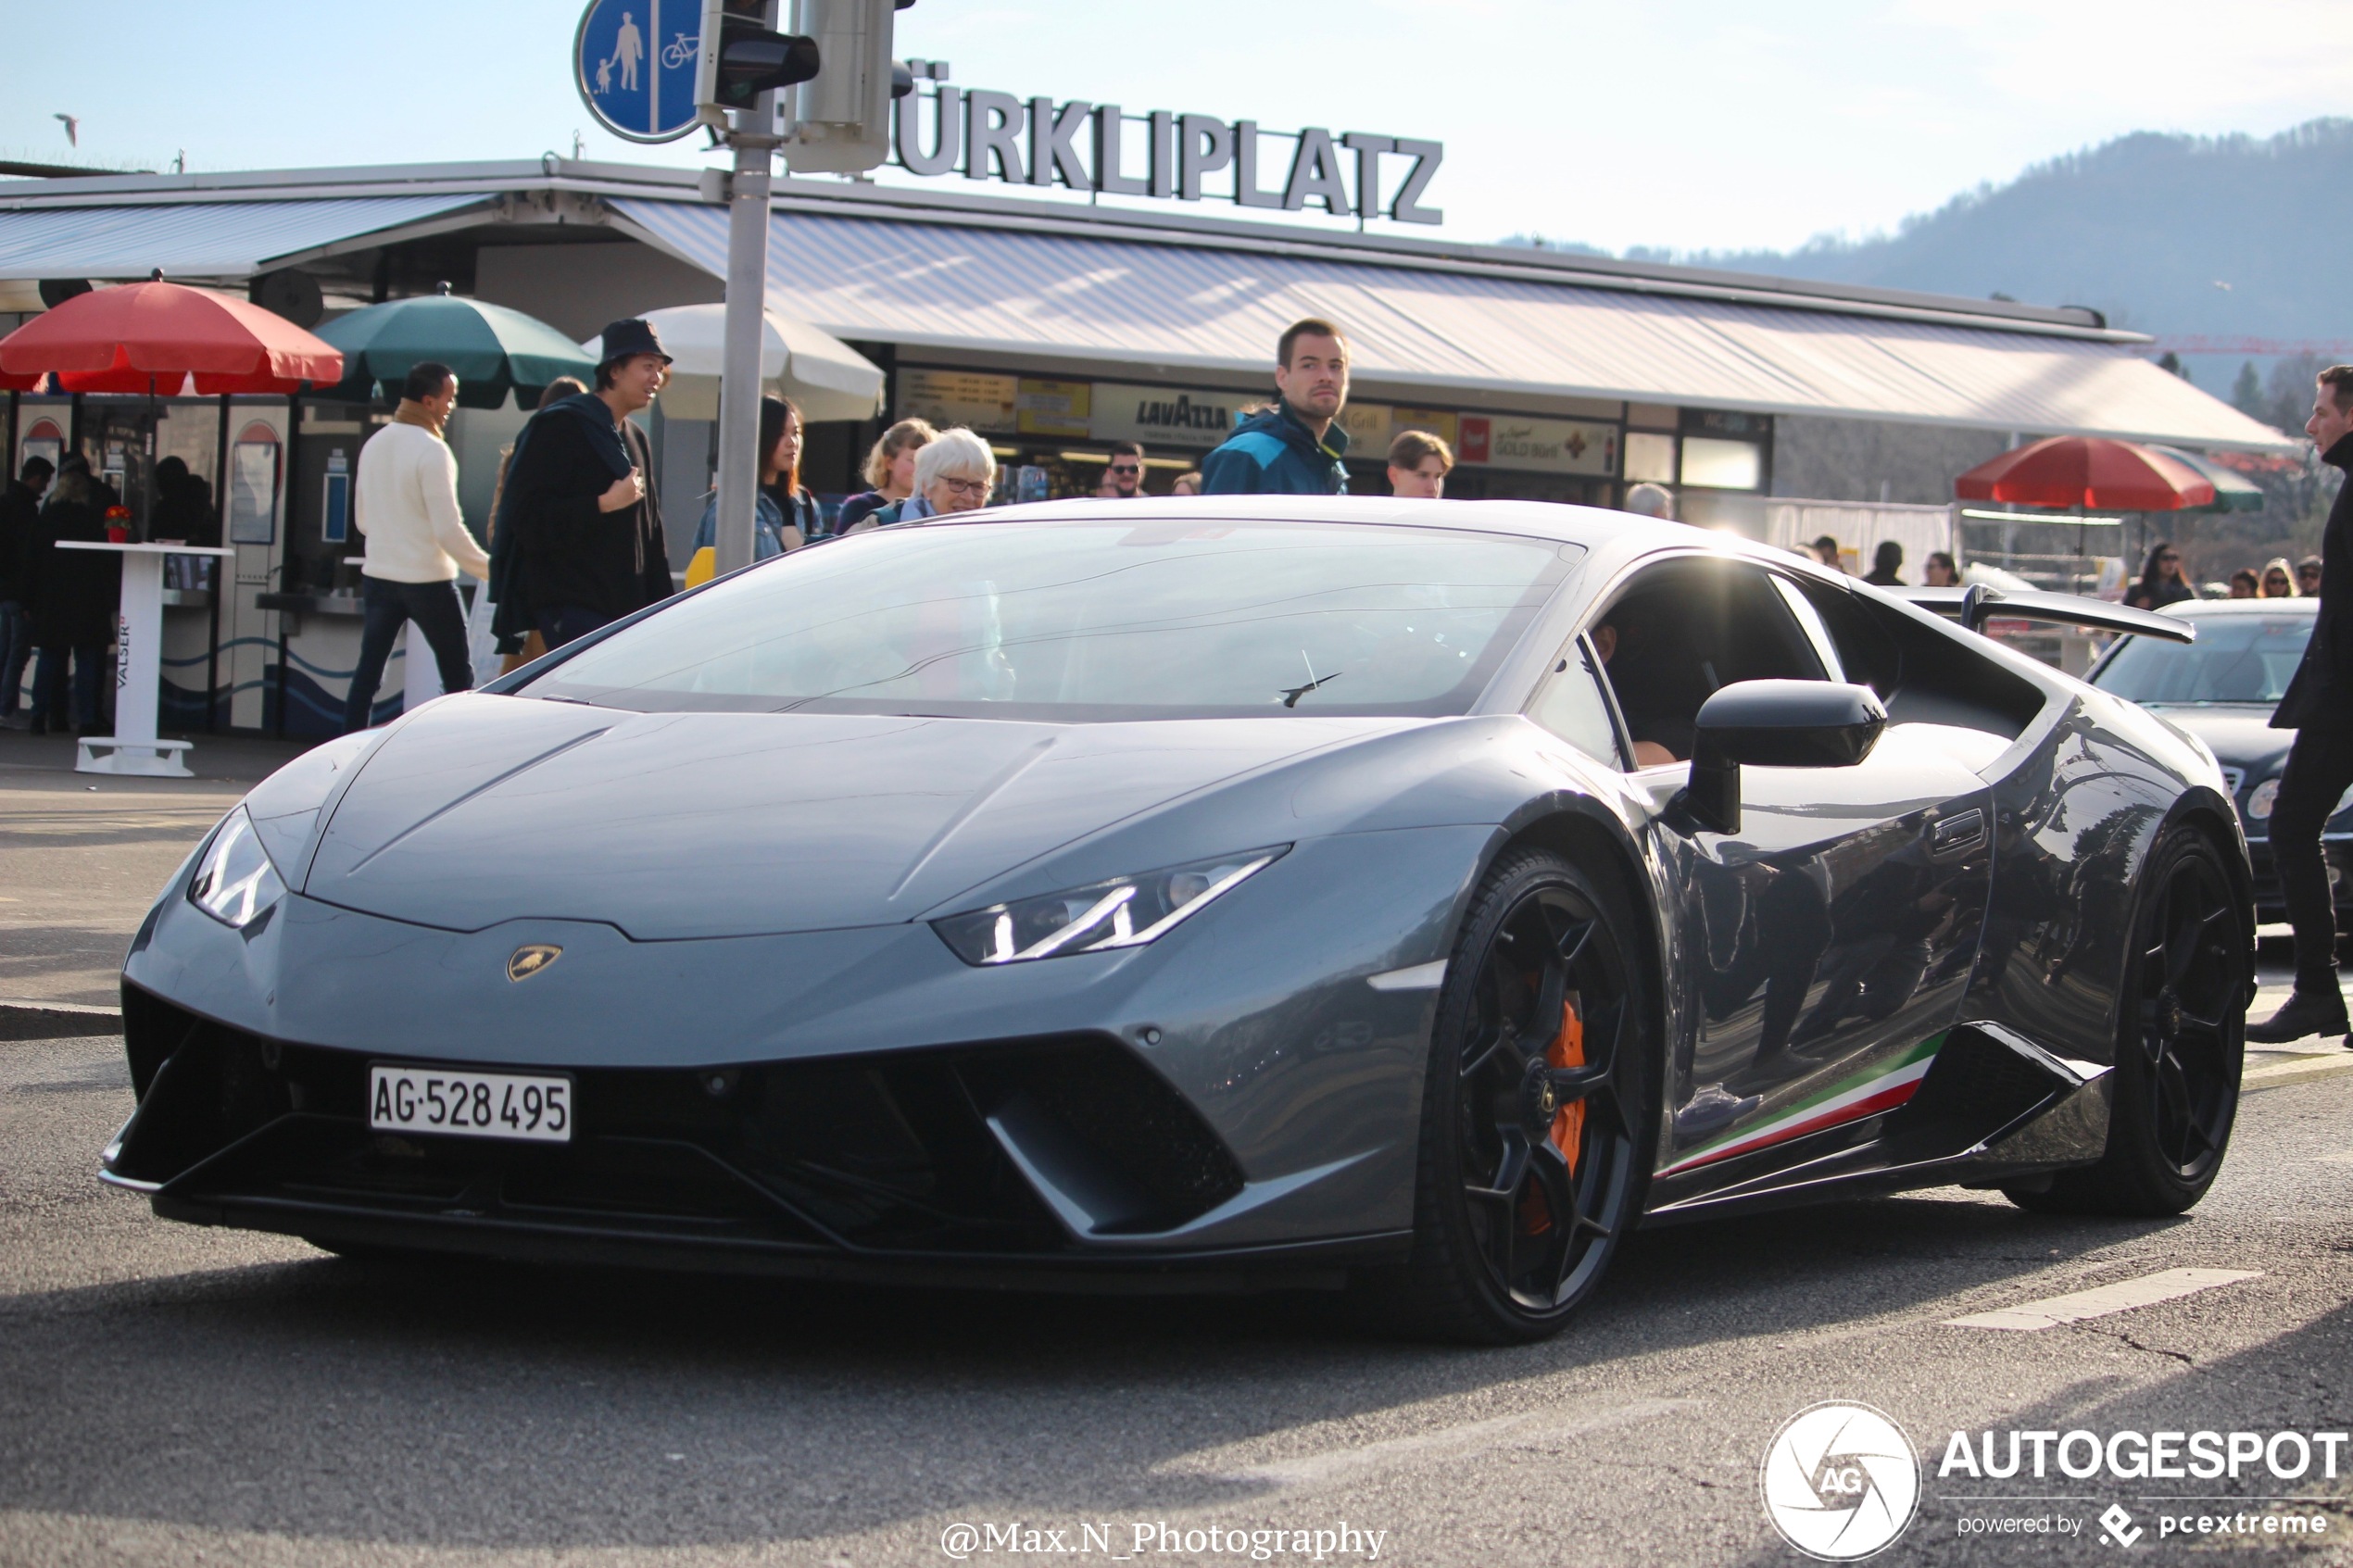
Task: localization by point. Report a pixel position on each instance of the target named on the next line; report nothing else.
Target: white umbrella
(827, 378)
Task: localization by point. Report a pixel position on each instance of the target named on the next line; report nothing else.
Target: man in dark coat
(184, 506)
(2319, 707)
(74, 599)
(19, 526)
(583, 517)
(1292, 448)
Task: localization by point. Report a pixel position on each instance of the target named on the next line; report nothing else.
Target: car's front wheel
(2181, 1042)
(1536, 1112)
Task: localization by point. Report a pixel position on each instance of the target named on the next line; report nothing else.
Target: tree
(2290, 391)
(2247, 393)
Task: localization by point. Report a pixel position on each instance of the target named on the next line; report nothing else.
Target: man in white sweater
(405, 503)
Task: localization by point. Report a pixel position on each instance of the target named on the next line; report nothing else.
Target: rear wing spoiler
(1979, 602)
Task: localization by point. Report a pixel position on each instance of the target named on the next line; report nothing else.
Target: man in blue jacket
(1292, 448)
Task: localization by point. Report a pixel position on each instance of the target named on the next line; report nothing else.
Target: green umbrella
(494, 350)
(2233, 492)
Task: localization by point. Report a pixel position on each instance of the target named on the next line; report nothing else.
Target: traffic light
(838, 120)
(740, 57)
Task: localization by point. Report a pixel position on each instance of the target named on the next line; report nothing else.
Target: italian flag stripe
(1867, 1093)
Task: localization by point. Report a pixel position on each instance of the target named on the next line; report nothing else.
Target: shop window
(1649, 456)
(1722, 465)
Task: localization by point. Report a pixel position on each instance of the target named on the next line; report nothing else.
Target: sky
(1684, 124)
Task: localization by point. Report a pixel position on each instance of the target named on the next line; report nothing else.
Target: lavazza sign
(986, 136)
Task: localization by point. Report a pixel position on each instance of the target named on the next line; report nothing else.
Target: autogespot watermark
(1841, 1482)
(2238, 1457)
(1120, 1541)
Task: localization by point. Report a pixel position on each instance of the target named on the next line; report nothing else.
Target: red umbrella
(2072, 470)
(148, 337)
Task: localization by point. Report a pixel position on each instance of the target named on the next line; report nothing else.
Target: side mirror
(1775, 724)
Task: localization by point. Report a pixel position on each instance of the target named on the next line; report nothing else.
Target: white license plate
(470, 1105)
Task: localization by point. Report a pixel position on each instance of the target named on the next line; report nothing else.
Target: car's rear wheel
(2181, 1024)
(1535, 1114)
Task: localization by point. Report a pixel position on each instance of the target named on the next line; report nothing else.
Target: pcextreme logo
(1839, 1481)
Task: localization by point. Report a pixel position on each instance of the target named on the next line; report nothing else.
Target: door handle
(1958, 832)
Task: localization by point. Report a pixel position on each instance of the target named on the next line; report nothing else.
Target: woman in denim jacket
(773, 531)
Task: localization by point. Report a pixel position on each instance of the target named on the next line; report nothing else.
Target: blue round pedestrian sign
(634, 61)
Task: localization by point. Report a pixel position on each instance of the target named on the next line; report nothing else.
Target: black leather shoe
(2304, 1013)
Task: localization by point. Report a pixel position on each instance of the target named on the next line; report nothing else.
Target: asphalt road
(82, 856)
(172, 1395)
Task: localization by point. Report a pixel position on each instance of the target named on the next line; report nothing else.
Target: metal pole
(220, 570)
(738, 478)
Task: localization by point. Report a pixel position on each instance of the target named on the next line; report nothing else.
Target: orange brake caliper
(1569, 1050)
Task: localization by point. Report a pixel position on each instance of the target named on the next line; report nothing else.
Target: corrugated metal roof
(1070, 296)
(196, 239)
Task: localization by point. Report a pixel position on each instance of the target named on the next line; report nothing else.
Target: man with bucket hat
(585, 523)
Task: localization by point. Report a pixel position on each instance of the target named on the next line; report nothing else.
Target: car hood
(486, 809)
(2239, 734)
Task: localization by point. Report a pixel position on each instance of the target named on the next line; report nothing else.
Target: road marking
(1530, 1429)
(2311, 1065)
(2164, 1286)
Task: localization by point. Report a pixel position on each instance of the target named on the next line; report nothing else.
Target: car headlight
(1127, 911)
(2260, 801)
(235, 884)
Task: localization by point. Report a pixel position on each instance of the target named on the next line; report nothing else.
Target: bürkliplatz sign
(1101, 148)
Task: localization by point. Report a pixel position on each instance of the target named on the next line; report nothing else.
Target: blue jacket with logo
(1272, 454)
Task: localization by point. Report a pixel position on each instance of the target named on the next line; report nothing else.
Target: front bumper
(993, 1161)
(1233, 1098)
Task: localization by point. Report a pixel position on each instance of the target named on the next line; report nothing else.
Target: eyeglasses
(966, 486)
(2168, 558)
(1125, 468)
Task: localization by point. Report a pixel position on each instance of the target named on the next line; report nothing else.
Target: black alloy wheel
(1536, 1115)
(2180, 1040)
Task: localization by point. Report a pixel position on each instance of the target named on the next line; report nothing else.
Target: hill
(2181, 237)
(2178, 236)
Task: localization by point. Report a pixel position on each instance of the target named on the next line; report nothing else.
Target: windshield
(2235, 658)
(1090, 620)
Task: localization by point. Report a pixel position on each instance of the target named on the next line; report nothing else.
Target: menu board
(253, 486)
(1367, 428)
(1440, 423)
(1507, 441)
(959, 398)
(1372, 426)
(1165, 416)
(1055, 407)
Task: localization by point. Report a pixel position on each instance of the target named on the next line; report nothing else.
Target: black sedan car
(1405, 896)
(2223, 689)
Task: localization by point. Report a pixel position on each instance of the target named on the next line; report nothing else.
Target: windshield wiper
(1290, 694)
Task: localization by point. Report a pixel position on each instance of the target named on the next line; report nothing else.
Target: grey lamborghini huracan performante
(1409, 896)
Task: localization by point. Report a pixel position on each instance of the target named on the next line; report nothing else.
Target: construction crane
(2256, 347)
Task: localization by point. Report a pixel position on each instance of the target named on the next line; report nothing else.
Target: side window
(1682, 630)
(1571, 705)
(1864, 652)
(1809, 620)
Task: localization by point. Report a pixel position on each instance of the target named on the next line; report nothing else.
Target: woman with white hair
(953, 473)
